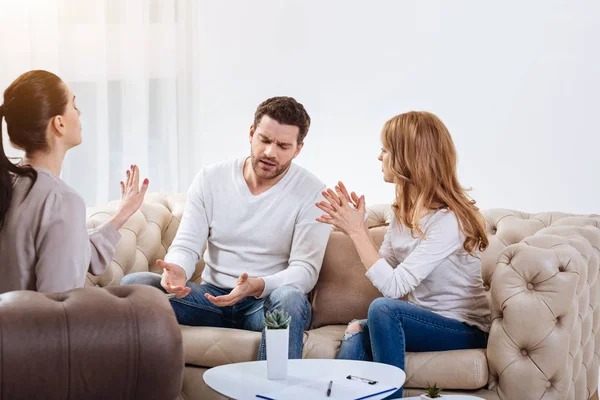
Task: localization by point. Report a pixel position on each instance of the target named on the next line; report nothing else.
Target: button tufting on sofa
(555, 254)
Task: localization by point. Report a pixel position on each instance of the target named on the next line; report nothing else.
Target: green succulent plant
(433, 391)
(277, 319)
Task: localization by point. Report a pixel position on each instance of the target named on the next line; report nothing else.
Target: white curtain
(132, 65)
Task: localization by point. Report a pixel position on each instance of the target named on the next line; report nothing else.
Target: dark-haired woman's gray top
(44, 243)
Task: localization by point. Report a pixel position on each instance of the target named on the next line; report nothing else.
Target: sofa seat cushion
(209, 347)
(455, 369)
(323, 342)
(458, 369)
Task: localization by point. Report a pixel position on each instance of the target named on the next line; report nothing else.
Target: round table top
(449, 396)
(307, 379)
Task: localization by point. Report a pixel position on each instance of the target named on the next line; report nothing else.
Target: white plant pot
(277, 353)
(425, 397)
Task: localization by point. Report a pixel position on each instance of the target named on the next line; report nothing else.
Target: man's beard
(268, 174)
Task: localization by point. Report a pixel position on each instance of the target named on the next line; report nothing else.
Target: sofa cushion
(210, 347)
(343, 292)
(455, 369)
(458, 369)
(323, 342)
(205, 346)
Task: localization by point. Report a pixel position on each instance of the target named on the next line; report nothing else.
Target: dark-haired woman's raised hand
(132, 196)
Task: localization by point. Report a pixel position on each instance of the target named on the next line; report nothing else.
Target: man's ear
(298, 150)
(251, 133)
(58, 125)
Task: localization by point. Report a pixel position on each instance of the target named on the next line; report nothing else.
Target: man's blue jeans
(394, 327)
(249, 313)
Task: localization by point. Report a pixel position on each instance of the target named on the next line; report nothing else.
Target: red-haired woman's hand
(344, 211)
(342, 192)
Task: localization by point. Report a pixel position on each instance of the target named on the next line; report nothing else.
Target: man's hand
(245, 287)
(173, 279)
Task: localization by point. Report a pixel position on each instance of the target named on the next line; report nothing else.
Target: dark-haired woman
(44, 243)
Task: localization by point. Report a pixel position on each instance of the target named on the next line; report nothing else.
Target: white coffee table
(449, 396)
(307, 379)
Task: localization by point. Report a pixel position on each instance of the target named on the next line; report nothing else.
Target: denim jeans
(394, 327)
(249, 313)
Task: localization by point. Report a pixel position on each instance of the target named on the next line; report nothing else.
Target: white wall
(516, 82)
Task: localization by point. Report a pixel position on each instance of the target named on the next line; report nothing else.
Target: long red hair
(423, 161)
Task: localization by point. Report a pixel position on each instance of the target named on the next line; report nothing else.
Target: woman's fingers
(127, 182)
(133, 181)
(324, 206)
(351, 198)
(332, 202)
(343, 190)
(136, 178)
(362, 204)
(144, 187)
(343, 199)
(327, 206)
(325, 219)
(355, 198)
(335, 197)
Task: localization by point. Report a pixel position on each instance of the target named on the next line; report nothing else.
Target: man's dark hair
(285, 110)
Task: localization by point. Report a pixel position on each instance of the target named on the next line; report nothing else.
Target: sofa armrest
(120, 342)
(540, 304)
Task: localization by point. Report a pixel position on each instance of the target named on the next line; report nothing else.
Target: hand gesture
(245, 287)
(132, 196)
(345, 211)
(173, 279)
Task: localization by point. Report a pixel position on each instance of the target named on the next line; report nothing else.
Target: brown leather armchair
(91, 343)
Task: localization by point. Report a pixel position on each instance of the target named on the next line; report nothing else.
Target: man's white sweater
(273, 235)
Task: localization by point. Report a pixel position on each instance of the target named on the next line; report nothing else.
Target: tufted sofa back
(145, 237)
(545, 299)
(540, 272)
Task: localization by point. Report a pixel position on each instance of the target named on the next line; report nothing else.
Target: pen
(329, 388)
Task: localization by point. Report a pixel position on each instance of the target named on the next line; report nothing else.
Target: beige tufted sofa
(541, 273)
